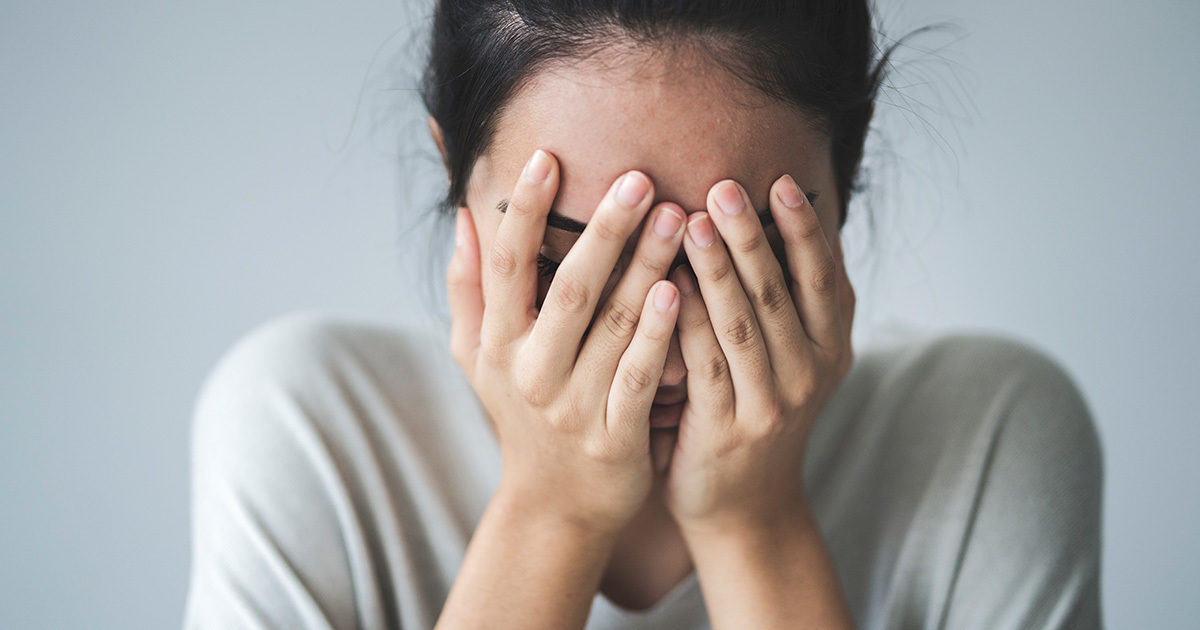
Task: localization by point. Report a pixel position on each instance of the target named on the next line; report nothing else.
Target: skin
(754, 339)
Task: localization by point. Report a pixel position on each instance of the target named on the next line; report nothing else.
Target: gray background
(172, 174)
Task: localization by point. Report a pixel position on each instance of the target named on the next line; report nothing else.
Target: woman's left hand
(764, 350)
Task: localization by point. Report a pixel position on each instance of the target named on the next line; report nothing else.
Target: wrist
(779, 518)
(768, 573)
(527, 509)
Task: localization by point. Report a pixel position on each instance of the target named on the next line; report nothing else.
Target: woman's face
(683, 121)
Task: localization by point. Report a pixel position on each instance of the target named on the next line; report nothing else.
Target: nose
(674, 370)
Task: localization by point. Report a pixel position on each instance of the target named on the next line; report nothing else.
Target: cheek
(542, 288)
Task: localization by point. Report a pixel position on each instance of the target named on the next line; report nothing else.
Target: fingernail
(729, 198)
(537, 168)
(701, 230)
(664, 297)
(789, 193)
(667, 223)
(632, 189)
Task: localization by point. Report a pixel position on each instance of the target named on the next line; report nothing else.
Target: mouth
(665, 415)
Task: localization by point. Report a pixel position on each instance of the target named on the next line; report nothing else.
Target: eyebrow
(556, 220)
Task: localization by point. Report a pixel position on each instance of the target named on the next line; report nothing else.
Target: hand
(764, 352)
(570, 405)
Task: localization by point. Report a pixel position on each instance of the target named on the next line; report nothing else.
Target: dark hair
(817, 55)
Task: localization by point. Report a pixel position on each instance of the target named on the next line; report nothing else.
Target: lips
(669, 399)
(665, 416)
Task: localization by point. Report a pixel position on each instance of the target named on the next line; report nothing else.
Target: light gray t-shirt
(339, 469)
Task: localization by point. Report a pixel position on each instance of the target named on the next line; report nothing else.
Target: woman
(651, 415)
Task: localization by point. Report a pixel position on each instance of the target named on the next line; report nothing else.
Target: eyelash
(547, 268)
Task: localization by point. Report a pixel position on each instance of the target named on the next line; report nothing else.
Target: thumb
(464, 292)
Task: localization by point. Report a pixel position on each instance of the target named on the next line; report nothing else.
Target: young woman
(648, 413)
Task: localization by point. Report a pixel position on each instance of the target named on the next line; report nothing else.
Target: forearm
(524, 569)
(772, 575)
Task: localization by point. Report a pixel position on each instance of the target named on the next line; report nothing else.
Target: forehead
(685, 122)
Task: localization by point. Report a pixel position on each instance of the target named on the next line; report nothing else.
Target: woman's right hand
(570, 404)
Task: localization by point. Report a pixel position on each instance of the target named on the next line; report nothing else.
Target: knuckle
(570, 294)
(809, 227)
(637, 379)
(823, 279)
(695, 319)
(649, 265)
(716, 368)
(456, 281)
(597, 448)
(773, 418)
(657, 333)
(620, 319)
(741, 330)
(721, 271)
(565, 414)
(751, 243)
(532, 388)
(523, 201)
(559, 421)
(503, 261)
(804, 390)
(492, 348)
(770, 296)
(604, 227)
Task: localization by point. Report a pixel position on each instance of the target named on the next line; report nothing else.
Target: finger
(618, 316)
(709, 388)
(810, 261)
(510, 291)
(762, 279)
(584, 271)
(641, 366)
(733, 319)
(464, 292)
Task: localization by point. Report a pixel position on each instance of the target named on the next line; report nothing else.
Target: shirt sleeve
(1030, 557)
(269, 503)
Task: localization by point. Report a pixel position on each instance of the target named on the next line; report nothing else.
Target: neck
(649, 559)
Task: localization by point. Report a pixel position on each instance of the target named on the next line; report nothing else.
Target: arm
(764, 353)
(769, 575)
(570, 406)
(525, 564)
(1032, 557)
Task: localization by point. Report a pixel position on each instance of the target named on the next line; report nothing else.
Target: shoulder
(317, 359)
(295, 374)
(965, 387)
(307, 383)
(960, 376)
(986, 440)
(300, 434)
(301, 347)
(1030, 551)
(966, 410)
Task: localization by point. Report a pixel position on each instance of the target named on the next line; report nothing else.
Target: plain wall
(172, 174)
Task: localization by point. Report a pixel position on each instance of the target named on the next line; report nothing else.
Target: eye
(546, 267)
